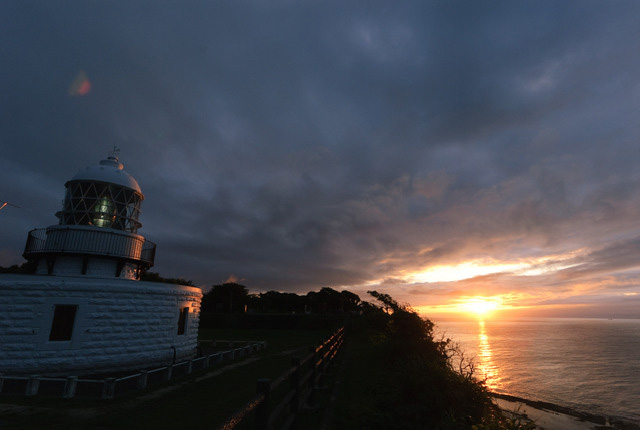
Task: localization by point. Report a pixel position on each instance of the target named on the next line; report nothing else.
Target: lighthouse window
(62, 325)
(182, 320)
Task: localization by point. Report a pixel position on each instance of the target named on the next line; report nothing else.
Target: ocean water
(591, 365)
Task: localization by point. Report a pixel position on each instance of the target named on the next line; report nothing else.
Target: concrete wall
(119, 324)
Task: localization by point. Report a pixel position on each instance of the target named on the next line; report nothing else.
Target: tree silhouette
(225, 298)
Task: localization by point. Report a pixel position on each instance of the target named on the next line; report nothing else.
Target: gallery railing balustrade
(82, 240)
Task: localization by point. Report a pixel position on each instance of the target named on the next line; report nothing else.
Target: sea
(589, 365)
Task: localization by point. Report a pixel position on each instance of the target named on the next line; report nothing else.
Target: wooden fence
(278, 404)
(108, 388)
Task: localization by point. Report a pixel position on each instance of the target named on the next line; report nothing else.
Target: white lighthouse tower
(97, 232)
(85, 310)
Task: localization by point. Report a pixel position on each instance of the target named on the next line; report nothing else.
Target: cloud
(297, 146)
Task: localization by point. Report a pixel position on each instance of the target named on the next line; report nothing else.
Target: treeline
(235, 298)
(26, 268)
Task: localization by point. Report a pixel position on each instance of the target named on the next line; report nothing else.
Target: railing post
(295, 386)
(314, 375)
(70, 386)
(168, 372)
(32, 385)
(322, 366)
(262, 411)
(109, 388)
(142, 380)
(189, 366)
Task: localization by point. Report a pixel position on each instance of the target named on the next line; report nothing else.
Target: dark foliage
(234, 298)
(404, 379)
(155, 277)
(225, 298)
(25, 268)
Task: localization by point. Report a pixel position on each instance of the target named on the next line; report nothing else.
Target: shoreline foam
(549, 416)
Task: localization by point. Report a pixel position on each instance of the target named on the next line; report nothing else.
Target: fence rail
(305, 377)
(108, 388)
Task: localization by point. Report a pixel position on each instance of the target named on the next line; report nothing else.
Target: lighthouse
(97, 231)
(85, 309)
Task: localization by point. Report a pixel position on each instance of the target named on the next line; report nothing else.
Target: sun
(480, 306)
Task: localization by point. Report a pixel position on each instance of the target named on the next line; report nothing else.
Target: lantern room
(103, 196)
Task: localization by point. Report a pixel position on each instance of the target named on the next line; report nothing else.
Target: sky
(456, 155)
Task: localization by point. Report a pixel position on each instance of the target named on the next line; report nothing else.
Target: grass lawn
(197, 401)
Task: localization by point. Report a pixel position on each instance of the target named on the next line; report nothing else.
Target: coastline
(549, 416)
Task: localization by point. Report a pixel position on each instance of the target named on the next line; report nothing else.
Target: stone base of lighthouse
(77, 325)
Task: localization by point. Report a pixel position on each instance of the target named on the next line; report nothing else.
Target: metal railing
(109, 387)
(273, 408)
(84, 240)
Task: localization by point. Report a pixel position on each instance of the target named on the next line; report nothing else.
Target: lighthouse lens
(104, 212)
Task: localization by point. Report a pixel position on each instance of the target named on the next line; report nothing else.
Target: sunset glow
(476, 307)
(466, 270)
(480, 306)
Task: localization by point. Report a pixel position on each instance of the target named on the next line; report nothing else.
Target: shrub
(400, 377)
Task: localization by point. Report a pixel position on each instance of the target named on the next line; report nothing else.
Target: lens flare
(80, 85)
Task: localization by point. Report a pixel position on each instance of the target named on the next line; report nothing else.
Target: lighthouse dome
(103, 195)
(110, 171)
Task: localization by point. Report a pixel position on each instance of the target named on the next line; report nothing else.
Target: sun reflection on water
(487, 369)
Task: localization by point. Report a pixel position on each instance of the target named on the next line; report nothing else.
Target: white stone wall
(119, 325)
(71, 265)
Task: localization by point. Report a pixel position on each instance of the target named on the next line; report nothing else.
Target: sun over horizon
(467, 306)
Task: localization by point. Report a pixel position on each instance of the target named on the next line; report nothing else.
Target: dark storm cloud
(303, 145)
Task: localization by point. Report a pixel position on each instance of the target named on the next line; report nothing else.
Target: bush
(400, 377)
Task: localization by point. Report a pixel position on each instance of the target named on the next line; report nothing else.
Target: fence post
(262, 411)
(323, 356)
(168, 372)
(189, 366)
(109, 388)
(32, 385)
(314, 375)
(70, 386)
(142, 380)
(295, 386)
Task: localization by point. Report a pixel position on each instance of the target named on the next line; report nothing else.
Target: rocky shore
(549, 416)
